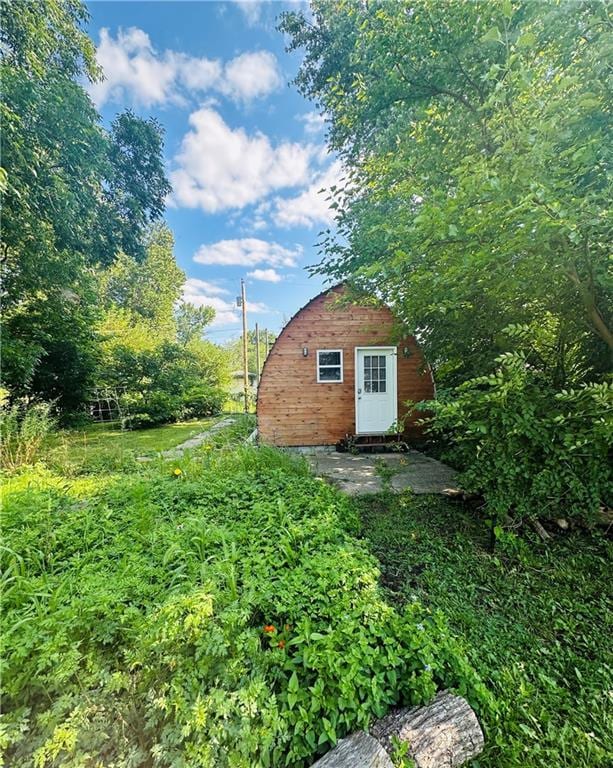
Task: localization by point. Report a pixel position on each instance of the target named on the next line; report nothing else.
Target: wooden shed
(309, 393)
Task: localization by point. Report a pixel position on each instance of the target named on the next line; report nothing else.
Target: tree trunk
(356, 751)
(444, 734)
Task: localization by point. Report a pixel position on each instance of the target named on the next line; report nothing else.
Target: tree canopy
(477, 192)
(73, 196)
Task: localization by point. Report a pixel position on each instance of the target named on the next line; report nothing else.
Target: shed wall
(293, 409)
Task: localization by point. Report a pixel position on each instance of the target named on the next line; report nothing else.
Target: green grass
(99, 443)
(536, 624)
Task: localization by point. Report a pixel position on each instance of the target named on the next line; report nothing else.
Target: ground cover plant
(535, 624)
(212, 610)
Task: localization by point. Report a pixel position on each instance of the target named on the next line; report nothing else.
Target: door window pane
(375, 373)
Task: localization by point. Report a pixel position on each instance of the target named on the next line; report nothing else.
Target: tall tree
(67, 195)
(475, 137)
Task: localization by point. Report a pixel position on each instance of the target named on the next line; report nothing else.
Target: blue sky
(245, 152)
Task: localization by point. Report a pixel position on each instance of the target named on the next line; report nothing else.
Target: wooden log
(444, 734)
(356, 751)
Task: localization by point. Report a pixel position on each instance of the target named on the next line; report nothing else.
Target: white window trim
(327, 381)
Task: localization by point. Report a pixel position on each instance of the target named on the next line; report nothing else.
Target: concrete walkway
(193, 442)
(198, 439)
(358, 475)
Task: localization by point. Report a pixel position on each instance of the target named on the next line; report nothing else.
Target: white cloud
(247, 252)
(252, 10)
(195, 285)
(199, 293)
(250, 76)
(219, 168)
(267, 275)
(313, 122)
(310, 207)
(136, 73)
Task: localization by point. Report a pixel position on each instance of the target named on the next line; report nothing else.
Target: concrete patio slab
(358, 475)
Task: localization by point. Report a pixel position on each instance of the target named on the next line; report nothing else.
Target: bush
(531, 451)
(225, 616)
(148, 409)
(203, 401)
(23, 428)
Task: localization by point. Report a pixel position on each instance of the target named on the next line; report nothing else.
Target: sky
(244, 151)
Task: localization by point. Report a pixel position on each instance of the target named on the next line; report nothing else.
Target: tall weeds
(23, 428)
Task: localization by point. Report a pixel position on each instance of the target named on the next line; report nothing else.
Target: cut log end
(444, 734)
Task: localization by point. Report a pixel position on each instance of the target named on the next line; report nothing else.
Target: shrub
(203, 401)
(531, 451)
(23, 428)
(222, 616)
(150, 408)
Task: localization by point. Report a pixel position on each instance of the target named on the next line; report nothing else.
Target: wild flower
(269, 629)
(177, 472)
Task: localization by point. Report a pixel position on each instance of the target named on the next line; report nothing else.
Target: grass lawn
(536, 624)
(100, 442)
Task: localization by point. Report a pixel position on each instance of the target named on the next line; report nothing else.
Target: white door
(375, 389)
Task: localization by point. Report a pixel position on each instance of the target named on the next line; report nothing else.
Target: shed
(309, 393)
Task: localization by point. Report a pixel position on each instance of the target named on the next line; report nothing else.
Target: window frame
(319, 367)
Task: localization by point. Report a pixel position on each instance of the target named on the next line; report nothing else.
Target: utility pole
(266, 342)
(257, 355)
(245, 355)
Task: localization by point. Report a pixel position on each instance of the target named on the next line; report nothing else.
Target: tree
(148, 289)
(151, 345)
(477, 196)
(191, 321)
(235, 350)
(67, 193)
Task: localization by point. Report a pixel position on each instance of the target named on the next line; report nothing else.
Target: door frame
(394, 379)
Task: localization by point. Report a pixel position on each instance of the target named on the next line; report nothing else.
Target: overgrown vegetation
(151, 350)
(531, 451)
(535, 623)
(23, 430)
(102, 446)
(213, 610)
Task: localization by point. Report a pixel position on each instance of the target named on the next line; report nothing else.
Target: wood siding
(293, 409)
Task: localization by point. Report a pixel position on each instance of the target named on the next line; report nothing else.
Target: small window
(329, 365)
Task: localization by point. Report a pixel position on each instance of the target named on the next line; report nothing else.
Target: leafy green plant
(532, 451)
(203, 401)
(214, 610)
(23, 428)
(385, 471)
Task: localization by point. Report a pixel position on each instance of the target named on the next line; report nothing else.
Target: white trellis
(105, 406)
